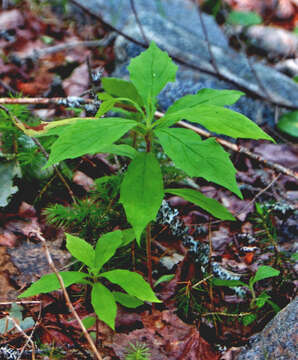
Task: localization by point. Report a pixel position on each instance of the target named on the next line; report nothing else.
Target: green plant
(245, 18)
(142, 189)
(257, 302)
(103, 300)
(137, 351)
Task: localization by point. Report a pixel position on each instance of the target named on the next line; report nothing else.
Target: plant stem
(149, 256)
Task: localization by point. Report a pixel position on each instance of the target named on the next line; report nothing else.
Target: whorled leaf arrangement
(142, 189)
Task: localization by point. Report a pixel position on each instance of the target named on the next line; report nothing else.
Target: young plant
(103, 300)
(142, 189)
(257, 302)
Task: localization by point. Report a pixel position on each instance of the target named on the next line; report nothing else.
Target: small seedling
(103, 300)
(138, 351)
(257, 302)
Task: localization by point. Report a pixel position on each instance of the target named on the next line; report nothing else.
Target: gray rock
(278, 340)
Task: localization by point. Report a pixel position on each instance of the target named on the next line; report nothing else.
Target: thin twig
(257, 195)
(132, 5)
(40, 53)
(65, 293)
(212, 58)
(43, 101)
(28, 338)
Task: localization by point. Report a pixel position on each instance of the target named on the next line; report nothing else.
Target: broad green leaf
(206, 96)
(104, 304)
(262, 299)
(106, 247)
(228, 283)
(126, 300)
(50, 283)
(219, 120)
(141, 191)
(151, 71)
(128, 236)
(294, 257)
(121, 88)
(198, 158)
(210, 205)
(164, 278)
(121, 150)
(88, 137)
(264, 272)
(106, 105)
(248, 319)
(132, 283)
(245, 18)
(80, 249)
(48, 128)
(89, 321)
(288, 123)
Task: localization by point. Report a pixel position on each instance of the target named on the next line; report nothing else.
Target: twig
(212, 58)
(257, 195)
(24, 302)
(237, 148)
(37, 54)
(45, 101)
(28, 338)
(65, 293)
(226, 314)
(132, 5)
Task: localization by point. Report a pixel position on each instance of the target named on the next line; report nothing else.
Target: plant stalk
(149, 256)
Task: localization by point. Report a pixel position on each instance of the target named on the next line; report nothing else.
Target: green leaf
(288, 123)
(262, 299)
(104, 304)
(205, 96)
(294, 257)
(245, 18)
(128, 236)
(132, 283)
(198, 158)
(106, 105)
(164, 278)
(50, 283)
(121, 88)
(80, 249)
(150, 72)
(228, 283)
(127, 300)
(264, 272)
(210, 205)
(88, 137)
(248, 319)
(89, 321)
(121, 150)
(8, 170)
(106, 247)
(141, 191)
(219, 120)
